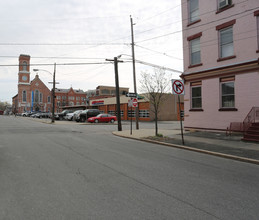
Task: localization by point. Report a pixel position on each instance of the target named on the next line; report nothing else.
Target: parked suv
(61, 115)
(88, 113)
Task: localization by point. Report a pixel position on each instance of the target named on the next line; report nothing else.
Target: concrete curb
(227, 156)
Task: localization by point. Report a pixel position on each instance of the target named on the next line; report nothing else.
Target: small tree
(155, 85)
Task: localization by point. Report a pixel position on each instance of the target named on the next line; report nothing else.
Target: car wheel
(96, 121)
(112, 120)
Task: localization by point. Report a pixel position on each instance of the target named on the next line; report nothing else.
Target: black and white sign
(178, 87)
(132, 95)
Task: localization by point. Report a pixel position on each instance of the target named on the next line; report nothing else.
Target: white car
(69, 116)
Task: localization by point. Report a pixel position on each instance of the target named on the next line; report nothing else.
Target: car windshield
(99, 115)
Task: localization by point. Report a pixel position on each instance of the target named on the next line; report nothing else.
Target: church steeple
(24, 69)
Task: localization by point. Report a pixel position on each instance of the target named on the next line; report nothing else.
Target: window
(193, 10)
(49, 100)
(41, 97)
(196, 96)
(224, 3)
(227, 94)
(257, 20)
(71, 103)
(195, 52)
(58, 103)
(111, 112)
(24, 66)
(105, 91)
(77, 103)
(226, 42)
(131, 113)
(36, 96)
(144, 113)
(24, 96)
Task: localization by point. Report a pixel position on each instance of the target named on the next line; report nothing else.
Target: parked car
(27, 114)
(88, 113)
(61, 116)
(42, 115)
(76, 114)
(102, 118)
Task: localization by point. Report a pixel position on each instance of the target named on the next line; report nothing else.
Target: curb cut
(227, 156)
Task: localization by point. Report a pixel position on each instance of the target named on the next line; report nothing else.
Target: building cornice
(24, 71)
(238, 68)
(22, 83)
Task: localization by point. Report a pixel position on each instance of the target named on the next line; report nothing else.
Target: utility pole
(115, 60)
(53, 95)
(134, 71)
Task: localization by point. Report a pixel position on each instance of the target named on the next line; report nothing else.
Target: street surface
(75, 171)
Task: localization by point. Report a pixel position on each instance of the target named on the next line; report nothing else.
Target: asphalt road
(75, 171)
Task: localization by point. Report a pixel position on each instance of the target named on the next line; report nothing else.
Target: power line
(60, 44)
(164, 35)
(158, 66)
(158, 52)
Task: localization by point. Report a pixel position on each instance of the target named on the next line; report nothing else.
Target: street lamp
(53, 90)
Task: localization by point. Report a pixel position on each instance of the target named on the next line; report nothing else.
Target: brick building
(69, 97)
(36, 96)
(32, 95)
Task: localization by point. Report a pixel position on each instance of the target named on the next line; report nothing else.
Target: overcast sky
(85, 31)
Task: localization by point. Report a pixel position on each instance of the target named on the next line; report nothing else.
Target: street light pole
(53, 95)
(53, 90)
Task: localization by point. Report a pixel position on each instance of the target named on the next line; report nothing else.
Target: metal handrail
(252, 117)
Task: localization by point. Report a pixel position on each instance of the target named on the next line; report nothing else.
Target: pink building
(221, 50)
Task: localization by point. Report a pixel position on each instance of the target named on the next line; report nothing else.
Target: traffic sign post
(130, 104)
(178, 89)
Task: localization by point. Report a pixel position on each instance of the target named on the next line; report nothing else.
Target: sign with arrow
(178, 87)
(132, 95)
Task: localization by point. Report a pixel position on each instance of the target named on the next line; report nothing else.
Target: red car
(102, 118)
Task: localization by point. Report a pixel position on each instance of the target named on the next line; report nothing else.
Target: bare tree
(155, 85)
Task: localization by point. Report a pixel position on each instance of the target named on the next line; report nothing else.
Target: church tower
(24, 94)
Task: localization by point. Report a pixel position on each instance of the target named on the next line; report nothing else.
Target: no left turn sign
(178, 87)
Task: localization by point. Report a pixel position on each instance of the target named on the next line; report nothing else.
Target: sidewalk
(213, 143)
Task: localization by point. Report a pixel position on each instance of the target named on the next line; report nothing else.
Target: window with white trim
(111, 112)
(224, 3)
(49, 99)
(144, 113)
(226, 42)
(193, 10)
(195, 51)
(131, 113)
